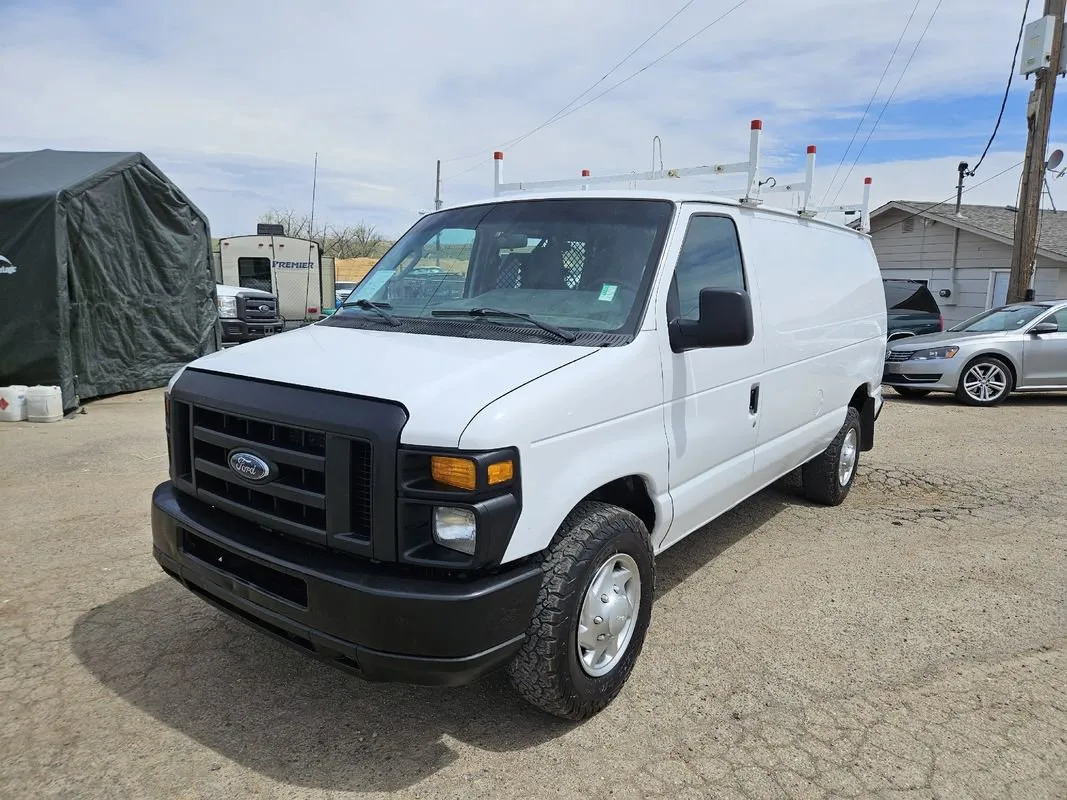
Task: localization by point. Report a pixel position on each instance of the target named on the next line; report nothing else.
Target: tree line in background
(340, 241)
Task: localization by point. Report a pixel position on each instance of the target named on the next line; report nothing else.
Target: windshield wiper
(377, 308)
(565, 335)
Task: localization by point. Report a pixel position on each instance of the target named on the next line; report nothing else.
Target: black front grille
(898, 355)
(322, 489)
(257, 309)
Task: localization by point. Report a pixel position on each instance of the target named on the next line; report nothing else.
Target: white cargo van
(476, 468)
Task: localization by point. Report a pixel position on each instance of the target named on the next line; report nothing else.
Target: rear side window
(710, 259)
(909, 296)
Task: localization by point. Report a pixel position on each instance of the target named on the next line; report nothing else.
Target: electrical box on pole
(1038, 39)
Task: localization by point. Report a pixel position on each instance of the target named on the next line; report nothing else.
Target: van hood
(442, 381)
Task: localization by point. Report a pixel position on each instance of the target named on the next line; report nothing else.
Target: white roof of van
(646, 194)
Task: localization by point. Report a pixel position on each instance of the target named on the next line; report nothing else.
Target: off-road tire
(546, 671)
(961, 393)
(820, 475)
(906, 391)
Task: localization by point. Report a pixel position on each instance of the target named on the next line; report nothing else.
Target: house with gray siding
(965, 260)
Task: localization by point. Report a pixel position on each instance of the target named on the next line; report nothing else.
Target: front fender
(577, 429)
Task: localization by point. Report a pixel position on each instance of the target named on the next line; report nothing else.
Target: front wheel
(591, 615)
(986, 381)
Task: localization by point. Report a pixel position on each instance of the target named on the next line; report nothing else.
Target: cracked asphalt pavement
(911, 643)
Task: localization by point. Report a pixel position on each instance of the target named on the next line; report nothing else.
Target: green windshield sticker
(607, 294)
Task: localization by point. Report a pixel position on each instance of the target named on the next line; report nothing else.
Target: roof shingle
(997, 222)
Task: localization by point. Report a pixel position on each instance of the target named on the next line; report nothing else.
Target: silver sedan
(1020, 347)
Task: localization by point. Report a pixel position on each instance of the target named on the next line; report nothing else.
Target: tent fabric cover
(106, 277)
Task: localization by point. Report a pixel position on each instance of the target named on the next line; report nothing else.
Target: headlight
(227, 306)
(455, 528)
(935, 352)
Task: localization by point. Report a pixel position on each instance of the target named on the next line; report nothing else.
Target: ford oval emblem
(250, 466)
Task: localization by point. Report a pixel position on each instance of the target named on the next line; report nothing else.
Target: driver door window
(710, 258)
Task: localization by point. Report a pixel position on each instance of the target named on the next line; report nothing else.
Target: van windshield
(575, 264)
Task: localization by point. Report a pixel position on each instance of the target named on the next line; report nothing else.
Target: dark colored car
(911, 309)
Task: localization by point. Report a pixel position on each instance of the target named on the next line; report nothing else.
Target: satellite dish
(1054, 159)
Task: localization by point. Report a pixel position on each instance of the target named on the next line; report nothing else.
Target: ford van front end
(298, 512)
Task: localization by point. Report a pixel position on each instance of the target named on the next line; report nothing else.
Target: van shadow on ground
(274, 711)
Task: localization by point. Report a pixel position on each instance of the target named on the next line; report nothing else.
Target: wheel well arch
(1003, 359)
(629, 492)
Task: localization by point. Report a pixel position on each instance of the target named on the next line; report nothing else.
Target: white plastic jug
(44, 404)
(12, 403)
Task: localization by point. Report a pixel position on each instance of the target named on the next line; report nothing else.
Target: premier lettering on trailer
(293, 265)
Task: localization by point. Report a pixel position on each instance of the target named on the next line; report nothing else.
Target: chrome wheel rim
(846, 464)
(608, 615)
(985, 382)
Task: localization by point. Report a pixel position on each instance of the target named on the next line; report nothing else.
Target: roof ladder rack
(750, 195)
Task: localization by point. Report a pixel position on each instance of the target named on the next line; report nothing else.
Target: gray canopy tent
(106, 280)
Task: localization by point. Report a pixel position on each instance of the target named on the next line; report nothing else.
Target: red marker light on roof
(498, 156)
(757, 124)
(811, 148)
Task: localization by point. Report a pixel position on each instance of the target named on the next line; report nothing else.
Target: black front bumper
(384, 624)
(236, 330)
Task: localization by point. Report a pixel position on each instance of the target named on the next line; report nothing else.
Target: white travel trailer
(517, 434)
(289, 268)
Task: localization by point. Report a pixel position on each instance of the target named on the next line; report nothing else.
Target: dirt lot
(910, 643)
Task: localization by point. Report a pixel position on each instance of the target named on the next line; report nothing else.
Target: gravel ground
(910, 643)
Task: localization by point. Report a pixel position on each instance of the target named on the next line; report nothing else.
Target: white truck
(475, 467)
(246, 314)
(289, 268)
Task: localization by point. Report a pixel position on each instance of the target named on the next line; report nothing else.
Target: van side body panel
(824, 328)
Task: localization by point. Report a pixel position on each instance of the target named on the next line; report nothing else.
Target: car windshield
(1001, 320)
(578, 264)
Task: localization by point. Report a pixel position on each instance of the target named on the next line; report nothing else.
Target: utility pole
(437, 207)
(437, 193)
(962, 170)
(1038, 119)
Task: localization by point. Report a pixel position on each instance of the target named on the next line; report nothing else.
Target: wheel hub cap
(608, 614)
(985, 382)
(847, 463)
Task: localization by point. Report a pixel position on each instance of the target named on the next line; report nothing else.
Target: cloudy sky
(233, 98)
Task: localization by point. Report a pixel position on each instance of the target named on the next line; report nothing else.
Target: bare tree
(347, 241)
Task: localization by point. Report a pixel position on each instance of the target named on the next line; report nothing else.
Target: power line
(603, 78)
(951, 197)
(1007, 90)
(889, 100)
(614, 86)
(874, 94)
(633, 75)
